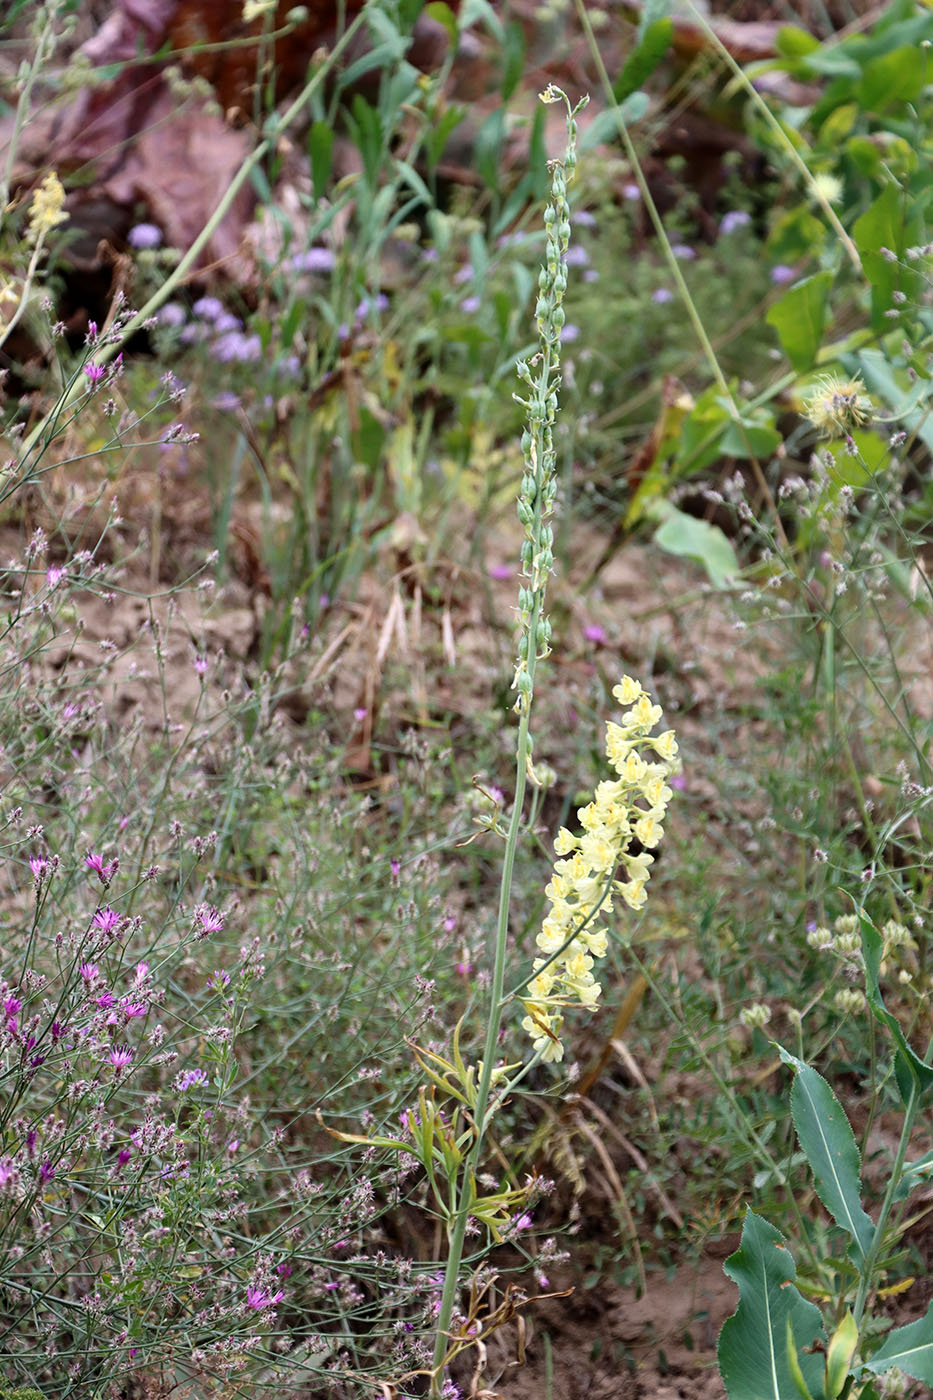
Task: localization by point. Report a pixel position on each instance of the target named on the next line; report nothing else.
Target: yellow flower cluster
(585, 880)
(47, 206)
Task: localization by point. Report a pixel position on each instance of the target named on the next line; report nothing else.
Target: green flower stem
(180, 272)
(894, 1180)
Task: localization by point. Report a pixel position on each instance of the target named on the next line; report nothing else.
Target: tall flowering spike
(47, 206)
(598, 865)
(541, 377)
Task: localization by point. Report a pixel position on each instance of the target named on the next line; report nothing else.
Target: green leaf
(920, 1073)
(910, 1348)
(753, 1350)
(320, 149)
(885, 225)
(794, 42)
(800, 319)
(644, 59)
(839, 1355)
(443, 14)
(827, 1139)
(892, 77)
(688, 538)
(513, 60)
(793, 1362)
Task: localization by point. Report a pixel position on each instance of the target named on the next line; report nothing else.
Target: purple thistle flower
(46, 1171)
(218, 979)
(120, 1057)
(38, 865)
(95, 373)
(132, 1009)
(144, 236)
(104, 872)
(106, 919)
(258, 1299)
(106, 1000)
(89, 972)
(123, 1156)
(54, 575)
(210, 919)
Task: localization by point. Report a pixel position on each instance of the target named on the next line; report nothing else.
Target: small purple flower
(395, 866)
(781, 274)
(594, 633)
(131, 1009)
(210, 919)
(368, 304)
(226, 401)
(144, 236)
(54, 575)
(39, 867)
(226, 321)
(95, 373)
(258, 1299)
(121, 1057)
(190, 1079)
(683, 251)
(679, 782)
(631, 193)
(522, 1222)
(193, 333)
(201, 664)
(500, 571)
(577, 256)
(46, 1171)
(584, 218)
(235, 345)
(106, 919)
(89, 972)
(569, 333)
(590, 274)
(314, 260)
(123, 1156)
(208, 308)
(171, 315)
(470, 305)
(104, 872)
(464, 274)
(360, 713)
(105, 1000)
(218, 979)
(662, 296)
(736, 218)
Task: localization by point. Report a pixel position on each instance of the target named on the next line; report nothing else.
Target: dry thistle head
(837, 406)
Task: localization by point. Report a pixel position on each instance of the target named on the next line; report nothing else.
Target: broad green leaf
(513, 60)
(892, 77)
(909, 1348)
(920, 1073)
(827, 1139)
(793, 1361)
(753, 1344)
(885, 226)
(689, 538)
(800, 319)
(839, 1355)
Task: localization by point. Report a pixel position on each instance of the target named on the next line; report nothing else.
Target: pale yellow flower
(47, 208)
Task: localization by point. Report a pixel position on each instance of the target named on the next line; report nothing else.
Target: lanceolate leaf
(910, 1348)
(753, 1344)
(919, 1071)
(829, 1143)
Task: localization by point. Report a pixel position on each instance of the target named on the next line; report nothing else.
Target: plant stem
(878, 1239)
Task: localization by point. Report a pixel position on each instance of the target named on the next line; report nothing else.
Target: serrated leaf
(827, 1139)
(800, 319)
(909, 1348)
(753, 1348)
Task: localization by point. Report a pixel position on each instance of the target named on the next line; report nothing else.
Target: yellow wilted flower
(838, 406)
(47, 206)
(580, 891)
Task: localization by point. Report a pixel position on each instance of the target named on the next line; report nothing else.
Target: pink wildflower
(258, 1299)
